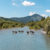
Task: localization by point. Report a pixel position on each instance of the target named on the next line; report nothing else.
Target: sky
(22, 8)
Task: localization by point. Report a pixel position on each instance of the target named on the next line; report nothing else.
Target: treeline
(36, 24)
(9, 24)
(44, 24)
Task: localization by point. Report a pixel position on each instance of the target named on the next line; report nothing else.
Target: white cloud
(43, 15)
(27, 3)
(31, 13)
(14, 4)
(47, 11)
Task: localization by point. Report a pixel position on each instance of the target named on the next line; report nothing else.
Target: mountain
(35, 17)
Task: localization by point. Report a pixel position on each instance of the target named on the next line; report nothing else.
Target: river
(23, 41)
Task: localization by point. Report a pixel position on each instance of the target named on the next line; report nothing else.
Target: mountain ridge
(35, 17)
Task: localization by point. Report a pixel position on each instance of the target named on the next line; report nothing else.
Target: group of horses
(23, 32)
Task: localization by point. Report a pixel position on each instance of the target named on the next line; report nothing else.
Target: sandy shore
(44, 32)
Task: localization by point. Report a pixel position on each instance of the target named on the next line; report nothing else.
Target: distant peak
(35, 14)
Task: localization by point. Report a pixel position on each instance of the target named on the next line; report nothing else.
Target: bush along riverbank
(4, 24)
(44, 23)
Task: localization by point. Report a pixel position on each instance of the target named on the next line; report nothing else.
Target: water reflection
(47, 42)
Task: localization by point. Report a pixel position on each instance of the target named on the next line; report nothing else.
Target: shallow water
(23, 41)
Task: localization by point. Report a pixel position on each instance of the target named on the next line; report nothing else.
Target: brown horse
(21, 31)
(14, 32)
(32, 31)
(27, 32)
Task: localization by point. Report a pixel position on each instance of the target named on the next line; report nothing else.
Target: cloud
(14, 4)
(27, 3)
(31, 13)
(43, 15)
(47, 11)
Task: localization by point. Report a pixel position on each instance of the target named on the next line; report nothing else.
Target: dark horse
(14, 32)
(32, 31)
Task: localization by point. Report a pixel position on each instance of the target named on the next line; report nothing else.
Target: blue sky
(22, 8)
